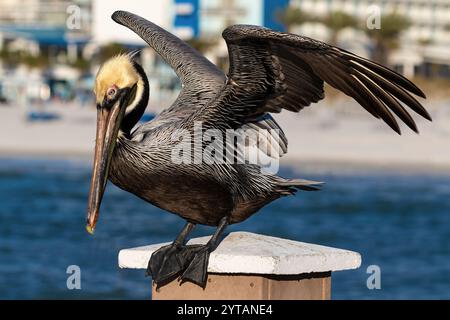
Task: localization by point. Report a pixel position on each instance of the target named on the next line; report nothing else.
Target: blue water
(399, 222)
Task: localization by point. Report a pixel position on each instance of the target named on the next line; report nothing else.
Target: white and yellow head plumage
(117, 71)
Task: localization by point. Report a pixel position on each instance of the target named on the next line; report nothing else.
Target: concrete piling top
(250, 253)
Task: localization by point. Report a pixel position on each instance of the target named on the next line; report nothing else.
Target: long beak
(108, 123)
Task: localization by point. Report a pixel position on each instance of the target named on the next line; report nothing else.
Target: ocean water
(399, 222)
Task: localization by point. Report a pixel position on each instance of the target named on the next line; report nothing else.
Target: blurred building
(186, 20)
(50, 26)
(424, 47)
(66, 33)
(39, 34)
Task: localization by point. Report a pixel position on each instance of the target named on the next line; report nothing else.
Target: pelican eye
(111, 93)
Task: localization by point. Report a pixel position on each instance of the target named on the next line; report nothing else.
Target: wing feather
(270, 71)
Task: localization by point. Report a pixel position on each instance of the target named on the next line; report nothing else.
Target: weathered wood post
(248, 266)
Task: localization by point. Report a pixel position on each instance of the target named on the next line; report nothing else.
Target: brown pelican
(269, 71)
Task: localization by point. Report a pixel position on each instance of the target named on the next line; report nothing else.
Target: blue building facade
(188, 14)
(271, 9)
(187, 17)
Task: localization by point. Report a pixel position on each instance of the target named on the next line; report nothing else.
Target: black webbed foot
(164, 263)
(191, 261)
(197, 271)
(169, 261)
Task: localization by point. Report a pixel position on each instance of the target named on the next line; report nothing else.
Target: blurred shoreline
(300, 167)
(323, 137)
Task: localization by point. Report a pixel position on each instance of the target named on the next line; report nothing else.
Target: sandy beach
(337, 133)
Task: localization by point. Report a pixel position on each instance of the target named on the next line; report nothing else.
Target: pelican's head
(121, 92)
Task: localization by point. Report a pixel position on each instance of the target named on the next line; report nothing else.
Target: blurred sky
(105, 30)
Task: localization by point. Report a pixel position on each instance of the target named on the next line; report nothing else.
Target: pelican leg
(197, 271)
(169, 261)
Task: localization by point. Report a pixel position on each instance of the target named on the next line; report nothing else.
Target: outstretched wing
(271, 71)
(200, 78)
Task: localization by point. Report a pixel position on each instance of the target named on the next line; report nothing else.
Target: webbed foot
(197, 271)
(170, 261)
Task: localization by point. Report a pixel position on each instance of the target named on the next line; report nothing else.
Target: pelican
(269, 71)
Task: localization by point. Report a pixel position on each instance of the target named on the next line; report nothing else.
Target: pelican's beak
(108, 124)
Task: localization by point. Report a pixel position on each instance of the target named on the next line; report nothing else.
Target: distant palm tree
(336, 21)
(384, 39)
(111, 49)
(291, 17)
(15, 58)
(387, 37)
